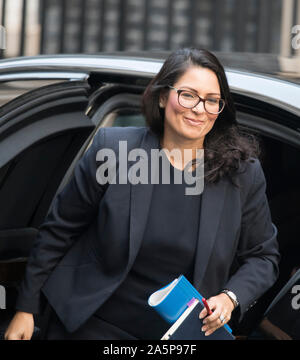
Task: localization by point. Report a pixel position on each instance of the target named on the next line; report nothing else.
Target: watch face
(232, 295)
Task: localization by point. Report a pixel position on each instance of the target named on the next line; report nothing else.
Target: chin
(192, 131)
(192, 134)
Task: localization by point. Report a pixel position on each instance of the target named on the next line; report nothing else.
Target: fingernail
(204, 322)
(203, 328)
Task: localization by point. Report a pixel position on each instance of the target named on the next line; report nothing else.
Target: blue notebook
(173, 303)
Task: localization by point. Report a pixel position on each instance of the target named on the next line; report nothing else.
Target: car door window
(129, 120)
(10, 90)
(40, 133)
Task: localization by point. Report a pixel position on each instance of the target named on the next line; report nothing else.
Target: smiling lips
(193, 122)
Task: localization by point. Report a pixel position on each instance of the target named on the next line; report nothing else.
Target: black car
(50, 109)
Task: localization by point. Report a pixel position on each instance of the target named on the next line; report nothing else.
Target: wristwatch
(231, 296)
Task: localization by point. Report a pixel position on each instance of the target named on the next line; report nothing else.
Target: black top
(167, 250)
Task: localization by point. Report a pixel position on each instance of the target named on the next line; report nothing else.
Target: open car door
(41, 132)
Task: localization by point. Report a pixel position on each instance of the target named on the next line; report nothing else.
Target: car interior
(50, 170)
(286, 302)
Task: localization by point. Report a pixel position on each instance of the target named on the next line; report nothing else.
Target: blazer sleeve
(257, 252)
(71, 212)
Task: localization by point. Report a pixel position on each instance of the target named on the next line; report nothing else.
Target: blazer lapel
(140, 200)
(212, 204)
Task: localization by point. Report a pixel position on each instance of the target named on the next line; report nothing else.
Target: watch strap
(231, 296)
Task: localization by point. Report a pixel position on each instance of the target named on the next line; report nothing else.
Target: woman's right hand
(21, 327)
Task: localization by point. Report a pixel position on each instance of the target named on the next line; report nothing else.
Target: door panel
(40, 134)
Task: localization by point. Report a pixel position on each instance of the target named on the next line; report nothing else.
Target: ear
(163, 100)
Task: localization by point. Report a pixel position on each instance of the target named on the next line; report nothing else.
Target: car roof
(259, 63)
(271, 87)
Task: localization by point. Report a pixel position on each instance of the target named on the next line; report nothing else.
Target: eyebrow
(187, 87)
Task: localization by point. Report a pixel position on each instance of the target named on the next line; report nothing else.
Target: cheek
(211, 124)
(173, 108)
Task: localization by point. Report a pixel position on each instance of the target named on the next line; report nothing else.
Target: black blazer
(82, 252)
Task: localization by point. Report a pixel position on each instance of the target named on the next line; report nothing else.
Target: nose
(199, 107)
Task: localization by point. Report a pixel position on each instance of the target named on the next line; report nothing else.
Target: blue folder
(172, 300)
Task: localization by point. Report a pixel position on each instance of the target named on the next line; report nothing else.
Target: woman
(104, 249)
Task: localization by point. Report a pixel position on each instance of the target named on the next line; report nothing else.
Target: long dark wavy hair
(225, 146)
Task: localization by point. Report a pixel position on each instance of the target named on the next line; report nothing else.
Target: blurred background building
(90, 26)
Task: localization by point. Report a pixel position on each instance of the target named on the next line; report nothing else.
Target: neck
(189, 149)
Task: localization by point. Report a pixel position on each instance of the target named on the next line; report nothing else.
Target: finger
(210, 328)
(210, 331)
(203, 313)
(213, 326)
(13, 336)
(217, 315)
(207, 326)
(213, 317)
(224, 318)
(227, 318)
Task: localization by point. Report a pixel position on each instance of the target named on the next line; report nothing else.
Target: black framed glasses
(187, 99)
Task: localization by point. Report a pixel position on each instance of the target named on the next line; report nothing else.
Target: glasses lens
(188, 99)
(214, 105)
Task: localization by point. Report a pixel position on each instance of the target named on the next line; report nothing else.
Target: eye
(187, 95)
(212, 101)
